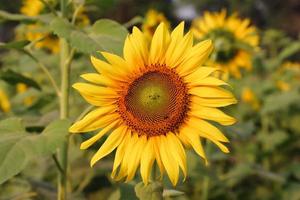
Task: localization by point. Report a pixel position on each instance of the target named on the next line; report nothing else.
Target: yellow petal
(147, 160)
(194, 141)
(132, 53)
(159, 44)
(205, 129)
(113, 140)
(208, 81)
(120, 153)
(158, 156)
(135, 157)
(86, 144)
(98, 79)
(195, 58)
(106, 69)
(213, 114)
(212, 102)
(99, 101)
(176, 38)
(118, 63)
(200, 73)
(93, 90)
(179, 47)
(211, 92)
(91, 118)
(170, 164)
(140, 44)
(178, 152)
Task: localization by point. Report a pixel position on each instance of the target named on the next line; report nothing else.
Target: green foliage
(152, 191)
(17, 147)
(14, 78)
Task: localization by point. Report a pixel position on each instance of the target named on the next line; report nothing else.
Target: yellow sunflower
(233, 38)
(152, 19)
(152, 101)
(35, 33)
(32, 7)
(249, 97)
(4, 102)
(21, 88)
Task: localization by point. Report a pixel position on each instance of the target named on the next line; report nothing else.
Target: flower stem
(65, 62)
(206, 179)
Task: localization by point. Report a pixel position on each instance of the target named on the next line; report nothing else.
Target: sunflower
(152, 101)
(234, 40)
(32, 7)
(152, 19)
(39, 35)
(21, 88)
(4, 102)
(249, 97)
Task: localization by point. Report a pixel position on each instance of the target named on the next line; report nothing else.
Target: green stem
(64, 110)
(16, 17)
(206, 179)
(65, 62)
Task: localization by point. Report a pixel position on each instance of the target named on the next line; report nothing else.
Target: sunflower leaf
(17, 147)
(152, 191)
(14, 78)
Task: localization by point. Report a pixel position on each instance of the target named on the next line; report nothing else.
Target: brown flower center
(155, 102)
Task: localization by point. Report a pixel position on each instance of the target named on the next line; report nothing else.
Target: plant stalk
(206, 179)
(65, 63)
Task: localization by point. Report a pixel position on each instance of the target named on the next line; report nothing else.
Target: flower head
(152, 19)
(232, 39)
(156, 98)
(32, 7)
(4, 102)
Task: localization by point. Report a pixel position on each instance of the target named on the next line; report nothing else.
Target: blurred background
(264, 162)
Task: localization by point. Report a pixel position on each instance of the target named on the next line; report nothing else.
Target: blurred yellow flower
(231, 36)
(35, 33)
(32, 7)
(4, 102)
(21, 88)
(153, 101)
(152, 19)
(283, 86)
(250, 98)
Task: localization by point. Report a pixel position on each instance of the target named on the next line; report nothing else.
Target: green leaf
(18, 147)
(109, 34)
(61, 27)
(11, 125)
(280, 101)
(172, 193)
(152, 191)
(290, 50)
(109, 28)
(14, 78)
(15, 45)
(82, 42)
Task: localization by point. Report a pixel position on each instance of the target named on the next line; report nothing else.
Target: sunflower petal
(91, 118)
(195, 58)
(113, 141)
(86, 144)
(168, 160)
(213, 114)
(178, 152)
(147, 160)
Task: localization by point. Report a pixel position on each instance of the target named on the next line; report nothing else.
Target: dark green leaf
(14, 78)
